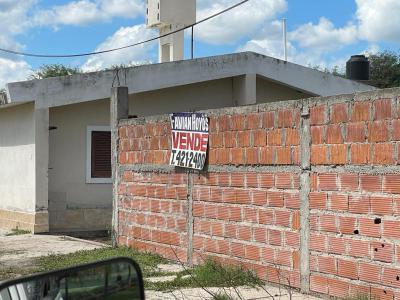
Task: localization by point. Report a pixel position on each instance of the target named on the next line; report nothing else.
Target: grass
(210, 274)
(9, 273)
(147, 262)
(17, 231)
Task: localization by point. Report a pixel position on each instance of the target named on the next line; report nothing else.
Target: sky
(322, 33)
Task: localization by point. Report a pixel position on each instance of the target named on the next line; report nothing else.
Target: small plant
(3, 96)
(221, 296)
(17, 231)
(212, 273)
(54, 70)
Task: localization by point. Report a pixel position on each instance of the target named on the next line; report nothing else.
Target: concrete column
(171, 48)
(305, 186)
(41, 169)
(190, 218)
(119, 110)
(245, 90)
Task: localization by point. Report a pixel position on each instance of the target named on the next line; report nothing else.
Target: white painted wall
(17, 158)
(68, 189)
(269, 91)
(211, 94)
(204, 95)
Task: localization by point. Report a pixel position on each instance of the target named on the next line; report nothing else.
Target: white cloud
(324, 36)
(14, 20)
(14, 16)
(11, 71)
(268, 41)
(372, 49)
(237, 23)
(84, 12)
(379, 20)
(131, 56)
(307, 45)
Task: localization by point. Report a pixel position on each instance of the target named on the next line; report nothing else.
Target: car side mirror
(118, 278)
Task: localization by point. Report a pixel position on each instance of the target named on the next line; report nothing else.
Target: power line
(124, 47)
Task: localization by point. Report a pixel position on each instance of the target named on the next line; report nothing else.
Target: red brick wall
(246, 203)
(240, 215)
(153, 213)
(249, 218)
(355, 206)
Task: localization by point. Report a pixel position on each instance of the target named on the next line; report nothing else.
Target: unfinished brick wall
(153, 213)
(328, 163)
(240, 213)
(355, 198)
(243, 213)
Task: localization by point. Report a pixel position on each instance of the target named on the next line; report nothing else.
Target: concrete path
(20, 250)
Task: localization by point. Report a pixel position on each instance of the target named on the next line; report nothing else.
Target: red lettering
(197, 138)
(204, 142)
(175, 139)
(190, 141)
(183, 141)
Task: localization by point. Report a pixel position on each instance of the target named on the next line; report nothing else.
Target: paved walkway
(20, 250)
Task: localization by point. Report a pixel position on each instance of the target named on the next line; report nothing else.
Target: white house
(54, 140)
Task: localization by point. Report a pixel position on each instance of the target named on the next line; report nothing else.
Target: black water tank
(357, 68)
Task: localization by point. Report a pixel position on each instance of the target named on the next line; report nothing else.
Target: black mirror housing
(117, 278)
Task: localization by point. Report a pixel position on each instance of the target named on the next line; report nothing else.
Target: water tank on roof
(357, 68)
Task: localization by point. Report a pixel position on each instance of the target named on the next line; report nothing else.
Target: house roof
(93, 86)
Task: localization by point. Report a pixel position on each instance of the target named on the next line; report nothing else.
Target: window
(98, 165)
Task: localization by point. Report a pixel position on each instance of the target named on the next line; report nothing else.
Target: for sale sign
(189, 140)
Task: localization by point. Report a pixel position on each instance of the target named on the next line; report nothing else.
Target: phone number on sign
(188, 159)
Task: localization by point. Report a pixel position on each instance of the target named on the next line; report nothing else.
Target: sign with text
(189, 140)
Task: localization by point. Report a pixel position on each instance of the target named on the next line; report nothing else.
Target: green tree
(385, 69)
(337, 72)
(54, 70)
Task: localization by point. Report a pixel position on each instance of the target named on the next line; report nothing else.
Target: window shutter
(101, 154)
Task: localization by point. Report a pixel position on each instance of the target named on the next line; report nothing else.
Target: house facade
(54, 133)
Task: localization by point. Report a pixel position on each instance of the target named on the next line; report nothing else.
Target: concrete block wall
(305, 193)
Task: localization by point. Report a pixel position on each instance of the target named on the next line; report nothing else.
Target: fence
(305, 193)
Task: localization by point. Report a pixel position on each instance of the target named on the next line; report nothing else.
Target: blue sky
(323, 33)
